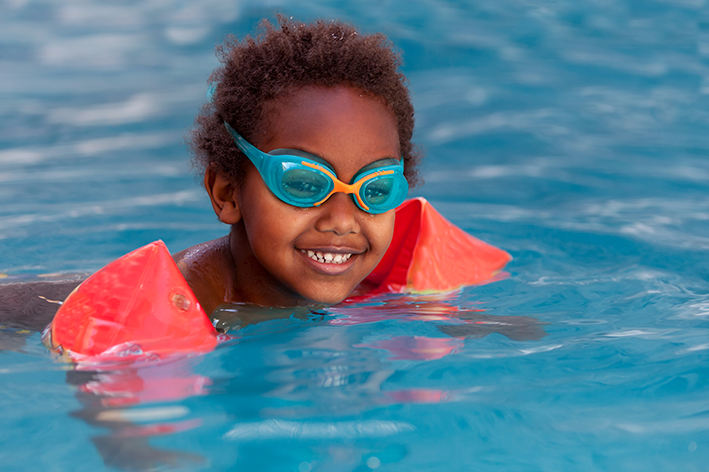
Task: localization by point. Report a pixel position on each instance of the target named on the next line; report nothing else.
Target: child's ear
(224, 195)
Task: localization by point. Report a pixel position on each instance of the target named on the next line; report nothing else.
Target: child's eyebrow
(326, 160)
(309, 152)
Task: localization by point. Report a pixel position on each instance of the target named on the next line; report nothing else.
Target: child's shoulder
(199, 252)
(207, 271)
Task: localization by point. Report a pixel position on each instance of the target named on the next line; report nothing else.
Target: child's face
(349, 130)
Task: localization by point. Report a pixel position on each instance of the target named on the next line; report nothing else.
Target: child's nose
(339, 214)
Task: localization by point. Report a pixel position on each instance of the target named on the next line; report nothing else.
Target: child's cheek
(382, 232)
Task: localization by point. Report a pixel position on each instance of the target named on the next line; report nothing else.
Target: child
(306, 152)
(328, 105)
(326, 95)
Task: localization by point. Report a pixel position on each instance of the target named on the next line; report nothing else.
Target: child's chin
(332, 297)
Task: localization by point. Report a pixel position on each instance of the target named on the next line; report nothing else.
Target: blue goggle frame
(304, 180)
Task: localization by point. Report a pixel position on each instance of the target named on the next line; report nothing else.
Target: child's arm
(27, 308)
(32, 305)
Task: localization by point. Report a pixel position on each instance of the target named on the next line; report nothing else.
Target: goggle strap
(251, 151)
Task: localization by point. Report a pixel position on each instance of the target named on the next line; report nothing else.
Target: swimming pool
(572, 134)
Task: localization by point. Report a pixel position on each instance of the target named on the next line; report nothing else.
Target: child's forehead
(314, 110)
(342, 125)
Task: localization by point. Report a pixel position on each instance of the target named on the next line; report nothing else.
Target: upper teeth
(327, 257)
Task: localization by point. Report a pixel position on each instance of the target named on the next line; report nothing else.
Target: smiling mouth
(327, 257)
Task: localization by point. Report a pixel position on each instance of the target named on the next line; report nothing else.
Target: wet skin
(261, 261)
(26, 308)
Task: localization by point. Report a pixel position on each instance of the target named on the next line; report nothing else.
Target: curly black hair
(257, 70)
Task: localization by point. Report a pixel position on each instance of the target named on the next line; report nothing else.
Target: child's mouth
(327, 257)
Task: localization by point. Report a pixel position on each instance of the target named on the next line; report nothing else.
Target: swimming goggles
(304, 180)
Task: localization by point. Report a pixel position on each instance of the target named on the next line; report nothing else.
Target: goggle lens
(304, 185)
(378, 192)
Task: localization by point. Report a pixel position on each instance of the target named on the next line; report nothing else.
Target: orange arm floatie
(138, 304)
(430, 254)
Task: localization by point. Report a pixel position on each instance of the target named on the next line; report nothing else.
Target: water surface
(570, 133)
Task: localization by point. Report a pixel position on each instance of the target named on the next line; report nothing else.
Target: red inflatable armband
(138, 304)
(430, 254)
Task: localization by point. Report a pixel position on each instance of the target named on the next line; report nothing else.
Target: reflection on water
(119, 397)
(317, 369)
(416, 347)
(271, 429)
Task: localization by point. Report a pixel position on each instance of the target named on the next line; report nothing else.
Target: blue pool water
(571, 133)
